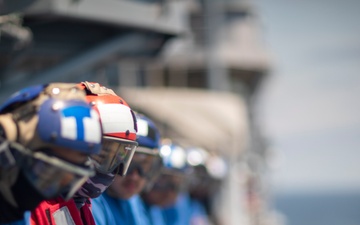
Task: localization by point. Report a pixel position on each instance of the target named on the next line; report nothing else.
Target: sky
(309, 106)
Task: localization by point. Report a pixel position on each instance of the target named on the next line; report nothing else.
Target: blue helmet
(148, 138)
(20, 97)
(174, 158)
(148, 135)
(64, 118)
(41, 120)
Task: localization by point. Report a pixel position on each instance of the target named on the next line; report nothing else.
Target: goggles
(147, 166)
(51, 175)
(114, 154)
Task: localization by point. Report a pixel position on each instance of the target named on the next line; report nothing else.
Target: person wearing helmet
(209, 170)
(45, 144)
(121, 203)
(118, 146)
(169, 190)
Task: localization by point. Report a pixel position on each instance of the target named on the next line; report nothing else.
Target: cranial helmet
(148, 135)
(175, 168)
(214, 165)
(174, 158)
(39, 119)
(147, 161)
(52, 114)
(209, 170)
(119, 128)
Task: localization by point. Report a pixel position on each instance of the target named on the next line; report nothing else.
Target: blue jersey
(139, 211)
(185, 211)
(154, 214)
(101, 211)
(198, 213)
(108, 210)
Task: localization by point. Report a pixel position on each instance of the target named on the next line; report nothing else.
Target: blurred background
(309, 108)
(269, 87)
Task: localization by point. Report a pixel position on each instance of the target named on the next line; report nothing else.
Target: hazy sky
(310, 104)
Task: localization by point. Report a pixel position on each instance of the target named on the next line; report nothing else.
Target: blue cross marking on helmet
(78, 113)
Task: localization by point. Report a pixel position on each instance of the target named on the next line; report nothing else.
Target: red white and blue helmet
(119, 128)
(117, 118)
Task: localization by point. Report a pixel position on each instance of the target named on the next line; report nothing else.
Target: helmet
(208, 169)
(42, 121)
(174, 158)
(173, 176)
(119, 128)
(148, 136)
(214, 165)
(147, 161)
(61, 105)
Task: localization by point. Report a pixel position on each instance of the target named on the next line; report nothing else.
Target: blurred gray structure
(193, 65)
(79, 37)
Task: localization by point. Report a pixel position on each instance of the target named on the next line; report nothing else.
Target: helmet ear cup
(8, 128)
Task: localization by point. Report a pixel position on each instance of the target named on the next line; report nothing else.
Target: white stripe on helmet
(92, 128)
(116, 118)
(143, 128)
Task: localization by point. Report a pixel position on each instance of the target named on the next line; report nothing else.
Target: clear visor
(147, 166)
(114, 154)
(52, 176)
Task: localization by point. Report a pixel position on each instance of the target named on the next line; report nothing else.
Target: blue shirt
(149, 214)
(154, 214)
(198, 213)
(101, 211)
(179, 213)
(185, 211)
(113, 211)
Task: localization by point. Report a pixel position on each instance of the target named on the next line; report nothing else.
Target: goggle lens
(52, 176)
(113, 154)
(148, 166)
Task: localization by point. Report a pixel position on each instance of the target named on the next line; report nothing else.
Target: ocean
(319, 209)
